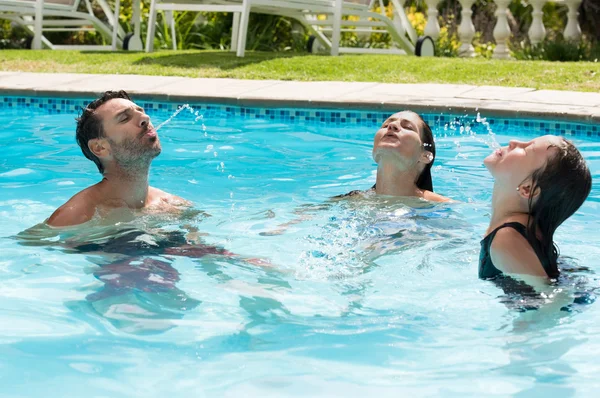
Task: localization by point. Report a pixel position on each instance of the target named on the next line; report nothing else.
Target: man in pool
(119, 138)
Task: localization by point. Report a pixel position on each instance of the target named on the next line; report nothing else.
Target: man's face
(128, 130)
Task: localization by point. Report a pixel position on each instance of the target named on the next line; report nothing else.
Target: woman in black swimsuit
(537, 186)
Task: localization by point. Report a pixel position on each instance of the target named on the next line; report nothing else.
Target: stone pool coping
(452, 98)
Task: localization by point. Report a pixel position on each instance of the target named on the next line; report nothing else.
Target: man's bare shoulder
(77, 210)
(159, 196)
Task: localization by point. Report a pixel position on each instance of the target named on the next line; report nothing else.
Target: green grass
(576, 76)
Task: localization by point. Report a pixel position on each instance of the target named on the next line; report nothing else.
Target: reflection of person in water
(140, 295)
(139, 292)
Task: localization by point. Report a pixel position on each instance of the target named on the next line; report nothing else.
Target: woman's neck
(506, 206)
(394, 182)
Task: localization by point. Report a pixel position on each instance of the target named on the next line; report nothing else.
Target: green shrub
(12, 36)
(557, 49)
(483, 49)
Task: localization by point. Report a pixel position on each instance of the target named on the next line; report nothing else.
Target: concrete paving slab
(561, 97)
(216, 88)
(495, 93)
(133, 84)
(7, 74)
(38, 81)
(382, 92)
(307, 91)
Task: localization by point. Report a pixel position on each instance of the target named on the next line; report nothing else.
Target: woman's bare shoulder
(434, 197)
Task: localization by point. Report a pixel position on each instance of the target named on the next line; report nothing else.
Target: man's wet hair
(89, 125)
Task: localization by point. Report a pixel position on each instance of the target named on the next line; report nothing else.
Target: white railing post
(501, 30)
(537, 31)
(466, 30)
(572, 30)
(432, 28)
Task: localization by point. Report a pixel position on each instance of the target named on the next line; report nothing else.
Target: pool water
(348, 298)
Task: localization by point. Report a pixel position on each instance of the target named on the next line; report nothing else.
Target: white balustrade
(537, 31)
(432, 28)
(572, 30)
(501, 30)
(466, 30)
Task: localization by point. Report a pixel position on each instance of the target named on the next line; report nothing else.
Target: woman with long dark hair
(537, 186)
(404, 151)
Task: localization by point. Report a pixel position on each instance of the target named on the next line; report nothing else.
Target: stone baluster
(432, 28)
(572, 30)
(466, 30)
(537, 32)
(501, 30)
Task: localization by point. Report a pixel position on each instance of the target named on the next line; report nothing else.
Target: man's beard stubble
(133, 155)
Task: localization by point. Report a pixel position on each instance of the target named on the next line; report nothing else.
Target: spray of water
(197, 117)
(177, 112)
(490, 139)
(464, 127)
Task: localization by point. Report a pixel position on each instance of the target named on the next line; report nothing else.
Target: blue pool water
(361, 298)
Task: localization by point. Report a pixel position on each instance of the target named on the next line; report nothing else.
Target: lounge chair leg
(243, 28)
(235, 31)
(337, 27)
(37, 27)
(116, 25)
(151, 27)
(171, 20)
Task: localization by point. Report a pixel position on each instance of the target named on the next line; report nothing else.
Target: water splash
(177, 112)
(490, 139)
(197, 117)
(464, 127)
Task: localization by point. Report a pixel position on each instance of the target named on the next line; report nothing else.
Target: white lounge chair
(39, 16)
(228, 6)
(323, 18)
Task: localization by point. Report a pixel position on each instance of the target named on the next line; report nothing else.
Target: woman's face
(399, 140)
(514, 163)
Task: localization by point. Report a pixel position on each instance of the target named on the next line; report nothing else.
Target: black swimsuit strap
(520, 228)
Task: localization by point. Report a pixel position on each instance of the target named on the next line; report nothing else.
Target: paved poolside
(453, 98)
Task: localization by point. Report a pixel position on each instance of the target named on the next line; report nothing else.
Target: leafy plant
(557, 49)
(12, 36)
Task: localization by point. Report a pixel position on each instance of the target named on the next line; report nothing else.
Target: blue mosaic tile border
(450, 123)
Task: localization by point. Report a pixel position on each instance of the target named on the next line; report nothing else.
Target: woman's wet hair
(564, 183)
(89, 125)
(424, 182)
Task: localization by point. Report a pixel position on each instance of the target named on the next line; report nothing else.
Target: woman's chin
(490, 162)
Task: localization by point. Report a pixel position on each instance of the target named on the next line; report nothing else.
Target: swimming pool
(376, 298)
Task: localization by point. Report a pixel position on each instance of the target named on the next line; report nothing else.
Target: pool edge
(494, 101)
